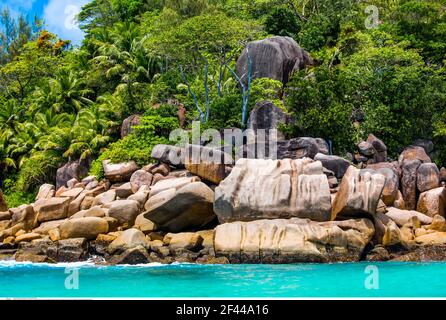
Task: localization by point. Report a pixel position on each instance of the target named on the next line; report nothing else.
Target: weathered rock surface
(128, 124)
(131, 256)
(140, 178)
(46, 191)
(124, 191)
(88, 228)
(358, 194)
(128, 239)
(380, 147)
(428, 177)
(414, 153)
(72, 193)
(409, 182)
(181, 209)
(401, 217)
(296, 148)
(334, 163)
(119, 172)
(185, 241)
(45, 227)
(392, 185)
(275, 58)
(145, 225)
(269, 189)
(293, 240)
(52, 209)
(125, 211)
(207, 163)
(73, 169)
(174, 183)
(27, 237)
(104, 198)
(433, 202)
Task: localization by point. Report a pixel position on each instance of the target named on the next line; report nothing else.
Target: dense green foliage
(378, 72)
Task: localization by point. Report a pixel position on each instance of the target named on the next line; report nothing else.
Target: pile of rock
(373, 150)
(126, 218)
(253, 211)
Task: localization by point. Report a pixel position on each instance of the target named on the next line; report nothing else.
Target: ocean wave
(79, 264)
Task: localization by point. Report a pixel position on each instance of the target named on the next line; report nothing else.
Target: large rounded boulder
(275, 58)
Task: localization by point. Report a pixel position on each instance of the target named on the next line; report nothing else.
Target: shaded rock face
(128, 239)
(380, 147)
(70, 250)
(269, 189)
(119, 172)
(275, 58)
(296, 148)
(409, 182)
(187, 207)
(267, 116)
(72, 170)
(128, 124)
(426, 144)
(293, 240)
(391, 187)
(207, 163)
(333, 163)
(132, 256)
(428, 177)
(424, 253)
(3, 204)
(359, 194)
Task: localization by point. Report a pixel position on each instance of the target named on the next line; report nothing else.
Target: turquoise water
(187, 280)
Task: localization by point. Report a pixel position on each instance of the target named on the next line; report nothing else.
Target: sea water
(86, 280)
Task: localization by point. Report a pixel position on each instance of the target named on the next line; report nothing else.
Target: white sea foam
(80, 264)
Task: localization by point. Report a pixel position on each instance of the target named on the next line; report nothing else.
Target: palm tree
(24, 142)
(6, 161)
(70, 92)
(9, 115)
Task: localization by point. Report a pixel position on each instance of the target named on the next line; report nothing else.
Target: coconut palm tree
(70, 92)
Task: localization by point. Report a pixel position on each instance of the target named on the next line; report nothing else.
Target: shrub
(137, 146)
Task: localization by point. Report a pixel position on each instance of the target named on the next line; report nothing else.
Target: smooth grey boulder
(188, 207)
(266, 116)
(275, 58)
(72, 170)
(334, 163)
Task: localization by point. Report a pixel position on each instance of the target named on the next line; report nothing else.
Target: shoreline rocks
(253, 211)
(293, 240)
